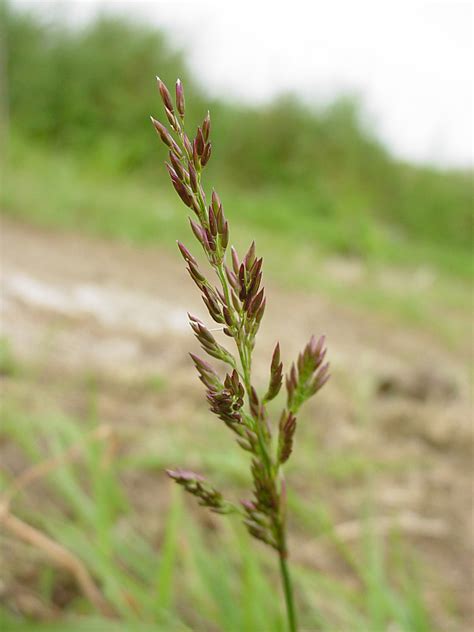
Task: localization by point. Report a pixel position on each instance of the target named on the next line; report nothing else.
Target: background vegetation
(86, 95)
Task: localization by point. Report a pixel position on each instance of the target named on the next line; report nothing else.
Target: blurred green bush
(89, 91)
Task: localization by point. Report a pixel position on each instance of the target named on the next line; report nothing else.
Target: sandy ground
(73, 306)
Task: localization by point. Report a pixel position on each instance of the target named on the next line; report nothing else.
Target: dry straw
(237, 305)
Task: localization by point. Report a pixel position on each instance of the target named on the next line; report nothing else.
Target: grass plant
(237, 305)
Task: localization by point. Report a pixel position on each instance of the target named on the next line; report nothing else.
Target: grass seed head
(237, 304)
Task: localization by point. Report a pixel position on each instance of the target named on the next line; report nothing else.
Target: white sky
(411, 61)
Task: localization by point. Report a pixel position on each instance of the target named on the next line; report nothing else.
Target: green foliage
(194, 576)
(156, 382)
(86, 89)
(8, 364)
(88, 92)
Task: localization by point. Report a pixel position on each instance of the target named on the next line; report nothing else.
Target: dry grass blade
(60, 555)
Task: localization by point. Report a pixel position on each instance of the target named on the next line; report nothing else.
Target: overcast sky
(410, 60)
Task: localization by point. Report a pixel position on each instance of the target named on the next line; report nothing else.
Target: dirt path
(73, 306)
(132, 294)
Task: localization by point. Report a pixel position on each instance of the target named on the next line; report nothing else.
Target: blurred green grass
(193, 579)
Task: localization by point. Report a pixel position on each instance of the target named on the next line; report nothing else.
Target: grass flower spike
(237, 305)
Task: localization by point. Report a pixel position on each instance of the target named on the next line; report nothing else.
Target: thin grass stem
(288, 591)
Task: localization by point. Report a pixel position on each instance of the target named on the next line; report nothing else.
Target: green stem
(288, 590)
